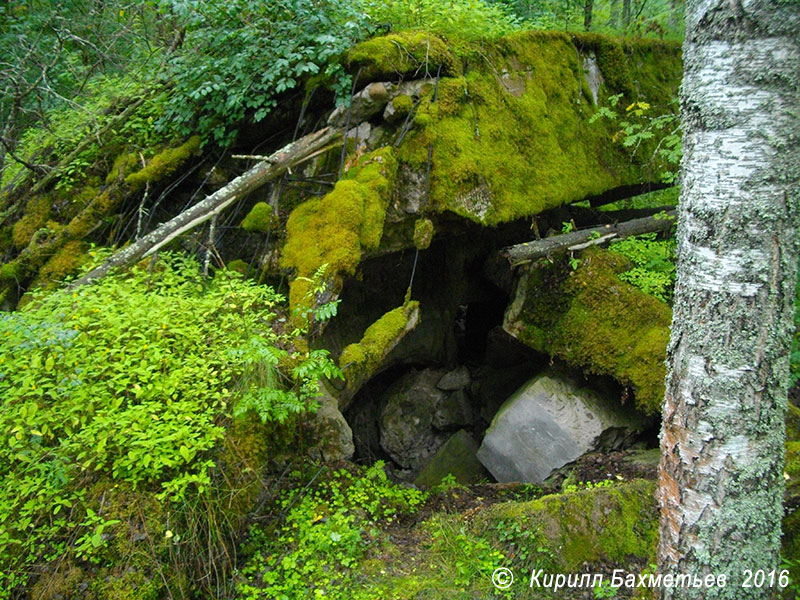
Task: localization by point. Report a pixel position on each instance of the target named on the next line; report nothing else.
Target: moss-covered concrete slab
(592, 320)
(456, 458)
(508, 123)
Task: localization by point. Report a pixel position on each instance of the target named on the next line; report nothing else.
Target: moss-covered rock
(416, 53)
(363, 358)
(52, 228)
(239, 266)
(36, 215)
(164, 163)
(261, 218)
(336, 229)
(604, 524)
(591, 319)
(423, 234)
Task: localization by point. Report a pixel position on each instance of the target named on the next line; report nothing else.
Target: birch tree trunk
(722, 439)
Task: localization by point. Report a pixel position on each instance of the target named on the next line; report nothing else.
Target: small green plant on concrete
(638, 125)
(604, 590)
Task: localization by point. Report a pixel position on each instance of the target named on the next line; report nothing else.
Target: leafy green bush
(238, 56)
(68, 125)
(327, 530)
(654, 264)
(462, 19)
(132, 380)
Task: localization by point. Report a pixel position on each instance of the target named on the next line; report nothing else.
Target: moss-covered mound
(510, 129)
(44, 234)
(605, 524)
(591, 319)
(413, 54)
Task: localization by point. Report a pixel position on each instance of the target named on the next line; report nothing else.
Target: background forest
(153, 421)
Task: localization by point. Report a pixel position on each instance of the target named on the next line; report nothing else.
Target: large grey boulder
(551, 421)
(453, 411)
(406, 422)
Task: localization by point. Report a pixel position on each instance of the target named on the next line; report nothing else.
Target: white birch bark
(722, 440)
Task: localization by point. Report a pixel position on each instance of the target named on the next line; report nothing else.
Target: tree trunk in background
(722, 440)
(626, 13)
(674, 15)
(613, 17)
(587, 14)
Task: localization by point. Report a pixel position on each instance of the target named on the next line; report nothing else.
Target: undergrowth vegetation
(653, 260)
(326, 528)
(132, 380)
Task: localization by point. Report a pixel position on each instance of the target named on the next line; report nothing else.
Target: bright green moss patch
(261, 218)
(511, 135)
(364, 357)
(164, 163)
(591, 319)
(337, 228)
(414, 53)
(239, 266)
(402, 105)
(123, 166)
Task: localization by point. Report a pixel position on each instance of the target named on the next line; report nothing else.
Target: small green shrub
(131, 380)
(654, 264)
(645, 129)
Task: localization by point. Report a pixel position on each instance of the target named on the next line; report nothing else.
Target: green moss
(591, 319)
(793, 423)
(123, 166)
(423, 233)
(260, 218)
(791, 521)
(164, 163)
(37, 212)
(66, 261)
(364, 357)
(239, 266)
(337, 228)
(408, 53)
(402, 105)
(10, 271)
(604, 524)
(511, 137)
